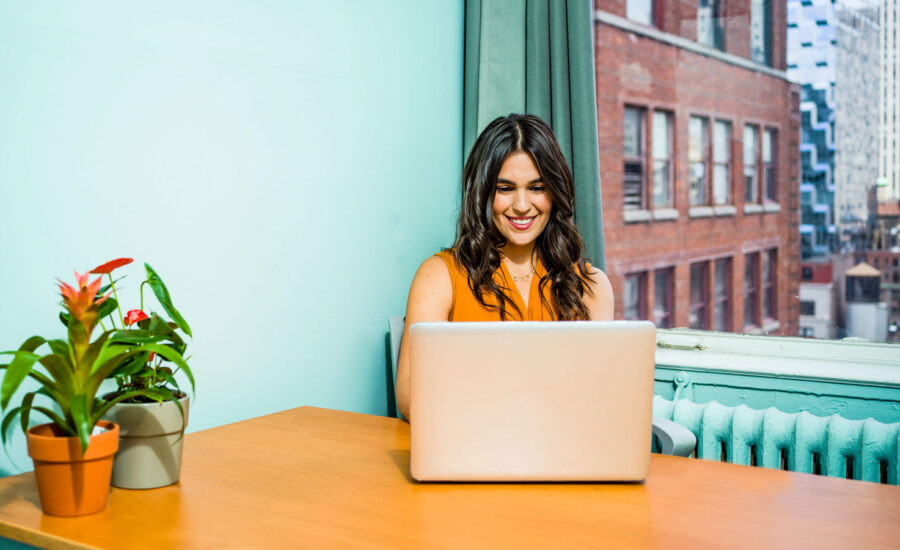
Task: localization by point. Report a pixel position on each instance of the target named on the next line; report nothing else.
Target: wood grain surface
(317, 478)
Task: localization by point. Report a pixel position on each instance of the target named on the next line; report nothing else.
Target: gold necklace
(523, 277)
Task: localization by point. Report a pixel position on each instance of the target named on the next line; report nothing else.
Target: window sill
(665, 214)
(701, 212)
(770, 326)
(753, 208)
(635, 216)
(867, 363)
(725, 210)
(772, 207)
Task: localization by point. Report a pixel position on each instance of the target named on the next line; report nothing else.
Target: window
(662, 159)
(710, 28)
(635, 290)
(722, 296)
(769, 154)
(761, 31)
(663, 293)
(806, 274)
(698, 158)
(722, 163)
(751, 182)
(807, 307)
(641, 11)
(699, 295)
(769, 304)
(751, 290)
(633, 127)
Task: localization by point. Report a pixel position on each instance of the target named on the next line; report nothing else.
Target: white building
(889, 103)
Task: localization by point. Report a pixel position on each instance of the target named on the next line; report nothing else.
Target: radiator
(799, 442)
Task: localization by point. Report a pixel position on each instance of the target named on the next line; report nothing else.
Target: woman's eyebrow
(501, 180)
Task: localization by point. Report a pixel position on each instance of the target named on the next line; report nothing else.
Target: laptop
(531, 401)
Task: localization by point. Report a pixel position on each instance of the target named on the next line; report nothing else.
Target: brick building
(699, 163)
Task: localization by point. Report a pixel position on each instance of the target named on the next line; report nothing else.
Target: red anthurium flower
(79, 300)
(135, 315)
(108, 267)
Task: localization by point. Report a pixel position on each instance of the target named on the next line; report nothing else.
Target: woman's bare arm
(430, 299)
(600, 301)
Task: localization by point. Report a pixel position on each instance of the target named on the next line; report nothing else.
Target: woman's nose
(521, 204)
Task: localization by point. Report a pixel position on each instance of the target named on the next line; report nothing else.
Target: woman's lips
(521, 224)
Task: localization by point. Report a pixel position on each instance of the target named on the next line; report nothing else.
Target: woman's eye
(538, 188)
(504, 189)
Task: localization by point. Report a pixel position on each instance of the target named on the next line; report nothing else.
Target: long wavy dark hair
(559, 246)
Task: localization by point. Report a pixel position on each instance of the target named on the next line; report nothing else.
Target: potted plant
(73, 454)
(149, 406)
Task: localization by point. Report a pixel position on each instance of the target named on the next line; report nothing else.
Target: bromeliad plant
(70, 373)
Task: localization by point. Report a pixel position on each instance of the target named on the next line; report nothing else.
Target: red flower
(108, 267)
(80, 301)
(134, 316)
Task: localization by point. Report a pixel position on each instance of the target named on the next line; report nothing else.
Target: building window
(699, 295)
(722, 162)
(722, 296)
(751, 290)
(662, 159)
(698, 158)
(806, 273)
(807, 307)
(635, 290)
(769, 156)
(634, 158)
(641, 11)
(751, 181)
(710, 28)
(663, 280)
(761, 31)
(768, 284)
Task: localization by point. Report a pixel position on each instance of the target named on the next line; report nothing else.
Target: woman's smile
(521, 224)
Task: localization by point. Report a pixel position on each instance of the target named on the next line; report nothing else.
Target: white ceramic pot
(150, 440)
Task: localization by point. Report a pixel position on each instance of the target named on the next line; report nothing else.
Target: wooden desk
(322, 479)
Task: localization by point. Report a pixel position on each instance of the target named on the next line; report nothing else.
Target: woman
(518, 254)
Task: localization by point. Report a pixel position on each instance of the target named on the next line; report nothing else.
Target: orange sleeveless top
(466, 306)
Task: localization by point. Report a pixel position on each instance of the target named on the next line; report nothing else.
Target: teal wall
(285, 165)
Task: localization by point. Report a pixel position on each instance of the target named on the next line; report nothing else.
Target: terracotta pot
(149, 444)
(69, 483)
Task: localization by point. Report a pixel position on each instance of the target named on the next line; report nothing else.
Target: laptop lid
(531, 401)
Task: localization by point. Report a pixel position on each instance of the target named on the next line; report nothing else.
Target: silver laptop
(531, 401)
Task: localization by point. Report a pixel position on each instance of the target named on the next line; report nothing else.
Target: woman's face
(522, 206)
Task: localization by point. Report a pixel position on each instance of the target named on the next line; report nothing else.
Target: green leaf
(26, 410)
(165, 299)
(19, 368)
(60, 371)
(107, 308)
(82, 419)
(64, 318)
(161, 327)
(136, 337)
(166, 374)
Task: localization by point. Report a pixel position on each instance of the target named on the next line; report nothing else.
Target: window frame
(752, 308)
(705, 149)
(723, 299)
(641, 277)
(698, 317)
(770, 168)
(728, 164)
(641, 158)
(669, 315)
(754, 189)
(769, 288)
(670, 159)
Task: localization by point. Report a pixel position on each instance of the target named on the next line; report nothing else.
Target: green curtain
(537, 57)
